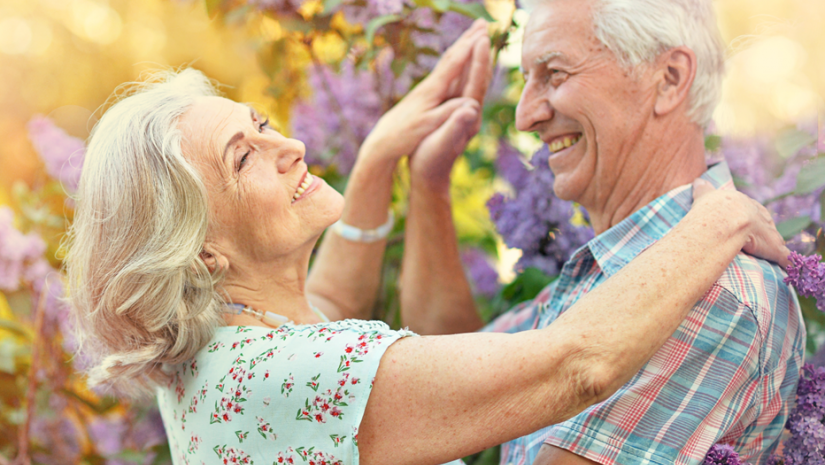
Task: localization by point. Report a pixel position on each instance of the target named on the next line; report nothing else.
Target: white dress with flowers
(294, 395)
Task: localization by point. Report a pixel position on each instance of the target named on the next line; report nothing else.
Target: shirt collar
(616, 247)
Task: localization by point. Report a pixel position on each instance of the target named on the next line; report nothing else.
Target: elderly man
(620, 90)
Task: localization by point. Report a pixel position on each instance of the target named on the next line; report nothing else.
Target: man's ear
(677, 70)
(213, 259)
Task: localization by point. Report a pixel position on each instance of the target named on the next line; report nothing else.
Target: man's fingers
(438, 115)
(480, 71)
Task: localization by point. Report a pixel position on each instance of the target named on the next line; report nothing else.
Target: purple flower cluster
(761, 173)
(362, 15)
(535, 220)
(723, 454)
(61, 153)
(807, 275)
(335, 121)
(482, 276)
(21, 255)
(807, 421)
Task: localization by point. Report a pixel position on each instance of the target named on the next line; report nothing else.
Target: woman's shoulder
(302, 387)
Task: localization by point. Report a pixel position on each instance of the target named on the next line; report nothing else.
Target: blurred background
(323, 69)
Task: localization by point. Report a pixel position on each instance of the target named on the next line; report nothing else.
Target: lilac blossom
(723, 454)
(807, 275)
(335, 121)
(283, 7)
(807, 421)
(107, 435)
(362, 15)
(482, 276)
(61, 153)
(535, 220)
(21, 255)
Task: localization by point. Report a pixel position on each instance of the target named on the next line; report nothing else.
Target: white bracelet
(351, 233)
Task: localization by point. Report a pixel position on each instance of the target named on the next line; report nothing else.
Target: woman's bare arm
(442, 397)
(345, 277)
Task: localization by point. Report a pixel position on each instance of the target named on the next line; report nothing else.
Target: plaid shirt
(727, 375)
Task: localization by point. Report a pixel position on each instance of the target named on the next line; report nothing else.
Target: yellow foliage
(310, 8)
(470, 191)
(329, 47)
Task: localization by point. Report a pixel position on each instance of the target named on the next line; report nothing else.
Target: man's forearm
(435, 294)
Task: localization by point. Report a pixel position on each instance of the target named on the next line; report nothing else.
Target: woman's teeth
(302, 188)
(563, 143)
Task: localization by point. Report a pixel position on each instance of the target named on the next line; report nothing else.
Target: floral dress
(291, 395)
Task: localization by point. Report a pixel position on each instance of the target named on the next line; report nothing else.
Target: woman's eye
(264, 125)
(243, 160)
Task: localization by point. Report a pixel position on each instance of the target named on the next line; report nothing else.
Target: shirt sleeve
(703, 382)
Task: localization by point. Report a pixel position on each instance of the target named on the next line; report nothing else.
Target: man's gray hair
(638, 31)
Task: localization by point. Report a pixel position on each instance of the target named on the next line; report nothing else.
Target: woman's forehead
(210, 122)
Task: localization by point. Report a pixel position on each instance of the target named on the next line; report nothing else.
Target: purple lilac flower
(336, 120)
(21, 255)
(283, 7)
(107, 435)
(723, 454)
(483, 277)
(536, 221)
(362, 15)
(807, 421)
(62, 153)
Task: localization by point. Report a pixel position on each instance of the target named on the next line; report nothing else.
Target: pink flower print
(266, 375)
(193, 367)
(286, 387)
(235, 345)
(237, 408)
(349, 349)
(335, 412)
(267, 400)
(250, 375)
(354, 380)
(226, 416)
(318, 354)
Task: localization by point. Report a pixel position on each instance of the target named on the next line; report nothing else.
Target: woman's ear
(213, 259)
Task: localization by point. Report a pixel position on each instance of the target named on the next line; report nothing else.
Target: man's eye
(557, 77)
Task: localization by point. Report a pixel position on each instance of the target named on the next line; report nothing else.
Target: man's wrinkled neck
(659, 164)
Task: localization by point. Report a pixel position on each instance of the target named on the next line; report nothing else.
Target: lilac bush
(723, 454)
(481, 274)
(61, 153)
(535, 220)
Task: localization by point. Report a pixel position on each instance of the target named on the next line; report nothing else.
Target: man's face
(588, 109)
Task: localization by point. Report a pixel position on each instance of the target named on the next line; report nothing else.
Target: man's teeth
(560, 144)
(302, 188)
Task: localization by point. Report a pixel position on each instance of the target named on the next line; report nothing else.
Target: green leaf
(212, 7)
(329, 5)
(789, 142)
(377, 23)
(526, 286)
(713, 143)
(811, 177)
(472, 10)
(793, 226)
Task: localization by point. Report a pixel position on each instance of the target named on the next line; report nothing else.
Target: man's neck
(657, 165)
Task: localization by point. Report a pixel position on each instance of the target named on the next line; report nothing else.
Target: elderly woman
(193, 232)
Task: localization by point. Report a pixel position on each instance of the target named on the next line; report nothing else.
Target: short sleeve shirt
(291, 395)
(727, 375)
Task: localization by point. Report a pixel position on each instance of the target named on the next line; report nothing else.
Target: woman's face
(263, 202)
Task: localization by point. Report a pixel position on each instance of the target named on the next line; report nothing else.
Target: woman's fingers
(438, 115)
(478, 77)
(701, 188)
(764, 240)
(454, 60)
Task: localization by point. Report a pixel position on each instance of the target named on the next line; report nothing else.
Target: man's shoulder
(756, 283)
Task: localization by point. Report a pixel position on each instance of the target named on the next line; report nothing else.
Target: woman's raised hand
(764, 240)
(459, 79)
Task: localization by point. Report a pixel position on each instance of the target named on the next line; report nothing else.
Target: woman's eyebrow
(238, 136)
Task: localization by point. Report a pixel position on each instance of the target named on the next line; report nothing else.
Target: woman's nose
(290, 153)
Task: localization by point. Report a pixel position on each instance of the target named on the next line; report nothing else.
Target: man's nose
(290, 153)
(533, 108)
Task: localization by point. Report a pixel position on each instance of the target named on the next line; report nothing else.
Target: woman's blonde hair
(141, 295)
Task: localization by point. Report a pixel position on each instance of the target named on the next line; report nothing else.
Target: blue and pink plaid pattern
(726, 375)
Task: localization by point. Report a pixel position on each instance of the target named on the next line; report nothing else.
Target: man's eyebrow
(238, 136)
(549, 56)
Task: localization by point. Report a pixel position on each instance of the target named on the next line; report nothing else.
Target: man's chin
(565, 189)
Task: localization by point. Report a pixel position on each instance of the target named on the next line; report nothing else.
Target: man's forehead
(555, 30)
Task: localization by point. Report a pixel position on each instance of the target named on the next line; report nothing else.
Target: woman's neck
(277, 288)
